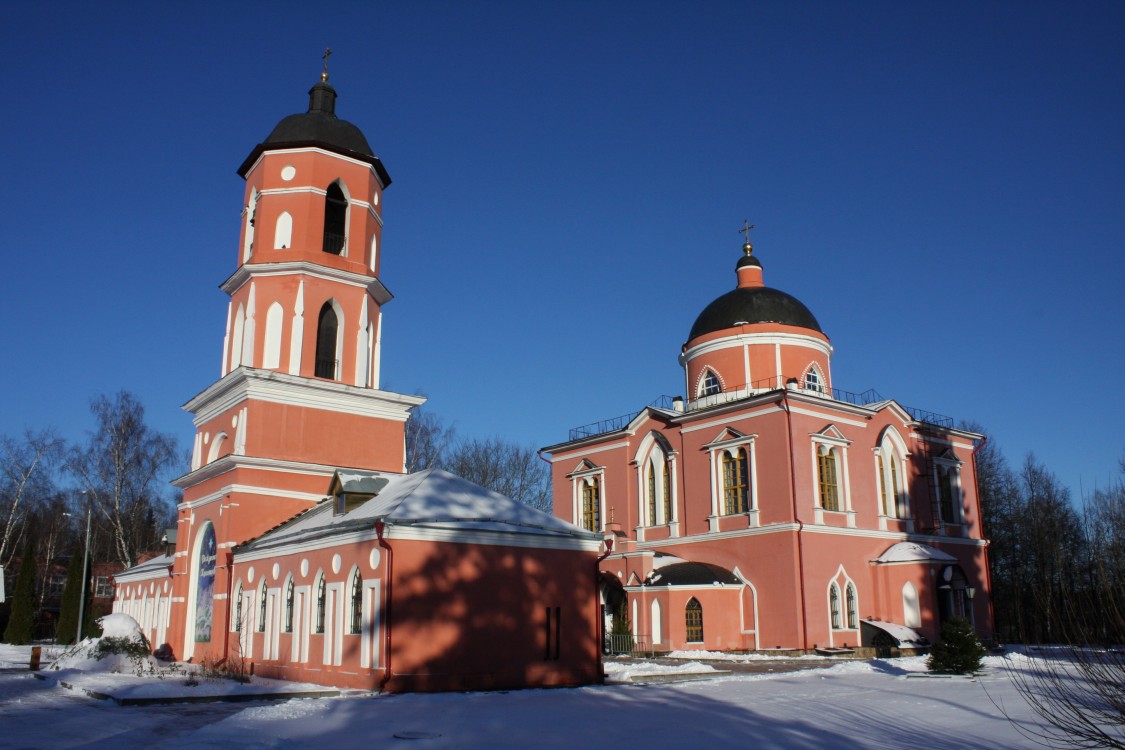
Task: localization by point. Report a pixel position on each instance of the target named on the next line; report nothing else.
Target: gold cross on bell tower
(324, 73)
(745, 232)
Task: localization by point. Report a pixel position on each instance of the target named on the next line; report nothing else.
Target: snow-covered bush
(122, 647)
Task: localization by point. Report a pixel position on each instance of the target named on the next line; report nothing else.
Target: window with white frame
(709, 384)
(587, 482)
(852, 606)
(654, 457)
(356, 624)
(947, 488)
(321, 603)
(288, 625)
(890, 475)
(828, 477)
(238, 610)
(591, 491)
(103, 587)
(733, 473)
(262, 606)
(813, 380)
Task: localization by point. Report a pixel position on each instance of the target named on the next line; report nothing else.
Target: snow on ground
(622, 671)
(723, 656)
(852, 705)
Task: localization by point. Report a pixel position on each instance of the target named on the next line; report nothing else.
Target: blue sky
(942, 184)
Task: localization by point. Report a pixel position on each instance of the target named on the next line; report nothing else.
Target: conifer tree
(68, 609)
(959, 651)
(21, 623)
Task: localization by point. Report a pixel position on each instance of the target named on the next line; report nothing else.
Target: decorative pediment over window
(831, 434)
(585, 466)
(729, 436)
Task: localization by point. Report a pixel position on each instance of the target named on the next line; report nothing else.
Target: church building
(303, 549)
(770, 510)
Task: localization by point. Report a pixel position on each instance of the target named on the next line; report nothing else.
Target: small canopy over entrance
(882, 635)
(912, 552)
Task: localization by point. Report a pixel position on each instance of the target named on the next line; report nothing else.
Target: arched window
(357, 604)
(591, 504)
(289, 606)
(236, 337)
(834, 605)
(271, 357)
(251, 218)
(693, 618)
(945, 495)
(667, 492)
(911, 613)
(321, 597)
(736, 482)
(813, 380)
(651, 494)
(262, 606)
(238, 609)
(827, 478)
(709, 385)
(853, 607)
(326, 336)
(335, 220)
(283, 231)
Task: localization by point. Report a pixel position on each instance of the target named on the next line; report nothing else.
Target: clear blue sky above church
(942, 184)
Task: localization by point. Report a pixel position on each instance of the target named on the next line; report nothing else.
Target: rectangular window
(551, 639)
(829, 487)
(736, 483)
(102, 587)
(945, 494)
(55, 584)
(591, 505)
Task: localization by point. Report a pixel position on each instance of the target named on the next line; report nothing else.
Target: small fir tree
(21, 623)
(959, 651)
(68, 608)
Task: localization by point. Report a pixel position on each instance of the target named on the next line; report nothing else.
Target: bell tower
(298, 394)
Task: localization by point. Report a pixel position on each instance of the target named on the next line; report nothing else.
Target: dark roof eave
(374, 161)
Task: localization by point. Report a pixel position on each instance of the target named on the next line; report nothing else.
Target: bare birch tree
(25, 480)
(122, 469)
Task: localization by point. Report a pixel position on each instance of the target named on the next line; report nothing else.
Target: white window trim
(841, 580)
(891, 448)
(951, 463)
(579, 478)
(655, 454)
(728, 442)
(833, 440)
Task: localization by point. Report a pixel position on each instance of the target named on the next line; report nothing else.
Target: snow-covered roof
(904, 635)
(906, 552)
(156, 567)
(432, 499)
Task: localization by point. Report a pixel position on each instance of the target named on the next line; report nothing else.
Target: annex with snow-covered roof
(420, 581)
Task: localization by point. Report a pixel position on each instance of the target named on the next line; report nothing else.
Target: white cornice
(422, 534)
(579, 450)
(313, 150)
(230, 462)
(776, 528)
(250, 489)
(251, 384)
(728, 420)
(737, 340)
(247, 271)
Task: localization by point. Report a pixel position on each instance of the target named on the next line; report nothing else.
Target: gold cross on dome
(745, 232)
(324, 74)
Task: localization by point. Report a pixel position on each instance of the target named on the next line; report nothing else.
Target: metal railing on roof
(757, 388)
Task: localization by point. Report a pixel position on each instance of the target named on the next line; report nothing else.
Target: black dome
(319, 127)
(326, 129)
(756, 304)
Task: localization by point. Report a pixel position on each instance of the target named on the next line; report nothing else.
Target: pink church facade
(303, 549)
(770, 510)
